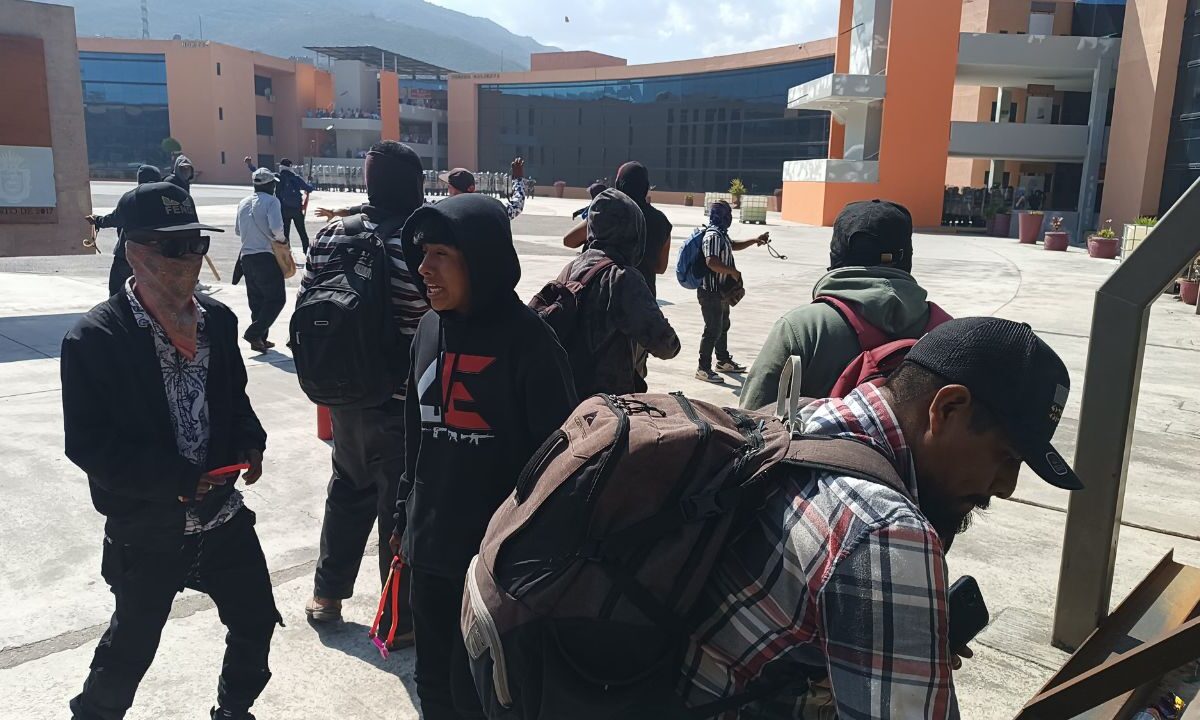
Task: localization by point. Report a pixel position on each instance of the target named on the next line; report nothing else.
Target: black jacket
(119, 429)
(485, 390)
(619, 312)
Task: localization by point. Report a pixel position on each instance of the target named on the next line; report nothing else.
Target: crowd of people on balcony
(341, 113)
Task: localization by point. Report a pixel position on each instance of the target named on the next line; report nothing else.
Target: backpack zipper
(483, 620)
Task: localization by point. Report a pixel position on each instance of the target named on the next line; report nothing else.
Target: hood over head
(633, 179)
(616, 226)
(148, 174)
(395, 180)
(478, 226)
(889, 298)
(180, 162)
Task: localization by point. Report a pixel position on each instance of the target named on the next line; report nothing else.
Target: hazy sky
(656, 30)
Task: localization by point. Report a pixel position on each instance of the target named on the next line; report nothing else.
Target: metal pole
(1110, 391)
(1089, 188)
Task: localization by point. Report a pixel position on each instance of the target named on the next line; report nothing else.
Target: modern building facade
(220, 103)
(697, 124)
(44, 192)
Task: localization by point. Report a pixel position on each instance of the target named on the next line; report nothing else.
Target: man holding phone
(156, 413)
(836, 599)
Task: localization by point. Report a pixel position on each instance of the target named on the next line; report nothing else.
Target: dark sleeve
(97, 443)
(639, 316)
(304, 184)
(412, 438)
(111, 220)
(548, 385)
(249, 432)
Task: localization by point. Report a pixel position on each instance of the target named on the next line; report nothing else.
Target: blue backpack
(690, 269)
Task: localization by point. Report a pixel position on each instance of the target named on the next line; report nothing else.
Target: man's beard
(948, 523)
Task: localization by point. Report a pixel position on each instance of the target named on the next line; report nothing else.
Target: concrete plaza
(57, 605)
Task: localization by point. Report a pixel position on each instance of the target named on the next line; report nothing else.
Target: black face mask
(174, 247)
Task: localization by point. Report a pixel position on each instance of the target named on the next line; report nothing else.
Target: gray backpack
(579, 603)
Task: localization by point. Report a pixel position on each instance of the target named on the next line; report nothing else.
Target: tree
(171, 146)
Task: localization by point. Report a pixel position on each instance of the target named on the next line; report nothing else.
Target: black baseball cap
(1016, 376)
(160, 206)
(872, 232)
(460, 178)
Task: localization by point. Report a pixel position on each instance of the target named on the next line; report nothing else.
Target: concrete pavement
(57, 605)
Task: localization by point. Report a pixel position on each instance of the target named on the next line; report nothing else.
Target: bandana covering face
(165, 287)
(721, 215)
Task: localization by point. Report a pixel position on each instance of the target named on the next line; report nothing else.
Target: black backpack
(560, 304)
(347, 349)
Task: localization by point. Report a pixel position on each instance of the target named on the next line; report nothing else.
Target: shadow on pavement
(350, 638)
(34, 337)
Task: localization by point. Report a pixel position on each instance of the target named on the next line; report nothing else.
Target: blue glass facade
(694, 132)
(125, 110)
(1183, 144)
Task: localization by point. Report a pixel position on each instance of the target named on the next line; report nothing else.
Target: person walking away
(368, 443)
(259, 223)
(182, 173)
(722, 279)
(293, 194)
(863, 576)
(488, 384)
(154, 411)
(870, 266)
(120, 270)
(618, 315)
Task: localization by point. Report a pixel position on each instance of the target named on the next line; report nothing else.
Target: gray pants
(715, 311)
(264, 291)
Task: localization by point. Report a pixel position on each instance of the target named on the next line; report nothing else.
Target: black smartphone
(968, 613)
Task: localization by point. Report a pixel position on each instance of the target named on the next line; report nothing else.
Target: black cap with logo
(1016, 376)
(460, 178)
(872, 232)
(161, 207)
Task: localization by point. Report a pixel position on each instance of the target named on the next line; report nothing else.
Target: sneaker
(709, 376)
(268, 344)
(729, 366)
(323, 610)
(223, 714)
(401, 641)
(259, 345)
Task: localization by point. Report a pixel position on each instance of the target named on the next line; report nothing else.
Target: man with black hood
(870, 266)
(619, 316)
(488, 384)
(368, 444)
(182, 173)
(120, 270)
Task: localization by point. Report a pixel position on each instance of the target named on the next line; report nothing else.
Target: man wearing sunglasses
(156, 413)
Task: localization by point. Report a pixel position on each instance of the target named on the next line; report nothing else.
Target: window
(218, 69)
(220, 113)
(264, 125)
(125, 111)
(262, 86)
(267, 161)
(222, 157)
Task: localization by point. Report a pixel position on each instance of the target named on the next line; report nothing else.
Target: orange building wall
(389, 105)
(573, 60)
(1146, 79)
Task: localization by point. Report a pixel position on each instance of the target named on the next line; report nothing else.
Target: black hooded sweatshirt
(619, 312)
(634, 180)
(145, 174)
(178, 178)
(485, 389)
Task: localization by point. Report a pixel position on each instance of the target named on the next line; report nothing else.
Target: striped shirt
(840, 575)
(716, 244)
(408, 304)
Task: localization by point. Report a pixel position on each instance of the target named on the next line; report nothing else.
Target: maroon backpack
(880, 354)
(579, 604)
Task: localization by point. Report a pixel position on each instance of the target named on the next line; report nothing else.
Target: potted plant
(1136, 232)
(1104, 243)
(1189, 286)
(1056, 239)
(560, 187)
(1029, 224)
(737, 190)
(688, 200)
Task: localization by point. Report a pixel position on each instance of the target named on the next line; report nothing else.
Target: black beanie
(395, 178)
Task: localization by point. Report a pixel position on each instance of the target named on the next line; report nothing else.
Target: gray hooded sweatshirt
(888, 298)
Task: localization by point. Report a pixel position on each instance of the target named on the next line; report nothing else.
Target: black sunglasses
(174, 247)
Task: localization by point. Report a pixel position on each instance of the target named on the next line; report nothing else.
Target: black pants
(118, 274)
(368, 460)
(144, 579)
(295, 216)
(264, 290)
(715, 311)
(443, 675)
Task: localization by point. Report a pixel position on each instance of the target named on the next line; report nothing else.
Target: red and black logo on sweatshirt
(449, 405)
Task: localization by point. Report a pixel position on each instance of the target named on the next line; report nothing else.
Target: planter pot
(1028, 227)
(1056, 241)
(559, 187)
(1103, 248)
(1001, 225)
(688, 201)
(1189, 290)
(778, 199)
(1134, 235)
(989, 226)
(737, 202)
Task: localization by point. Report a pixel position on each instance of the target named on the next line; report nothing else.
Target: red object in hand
(229, 469)
(324, 423)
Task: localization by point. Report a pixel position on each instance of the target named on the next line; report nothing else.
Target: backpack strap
(845, 457)
(937, 316)
(869, 336)
(600, 266)
(355, 224)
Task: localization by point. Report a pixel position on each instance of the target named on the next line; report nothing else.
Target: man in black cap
(869, 288)
(854, 595)
(155, 412)
(120, 270)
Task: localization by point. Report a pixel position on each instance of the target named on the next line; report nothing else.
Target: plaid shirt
(840, 575)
